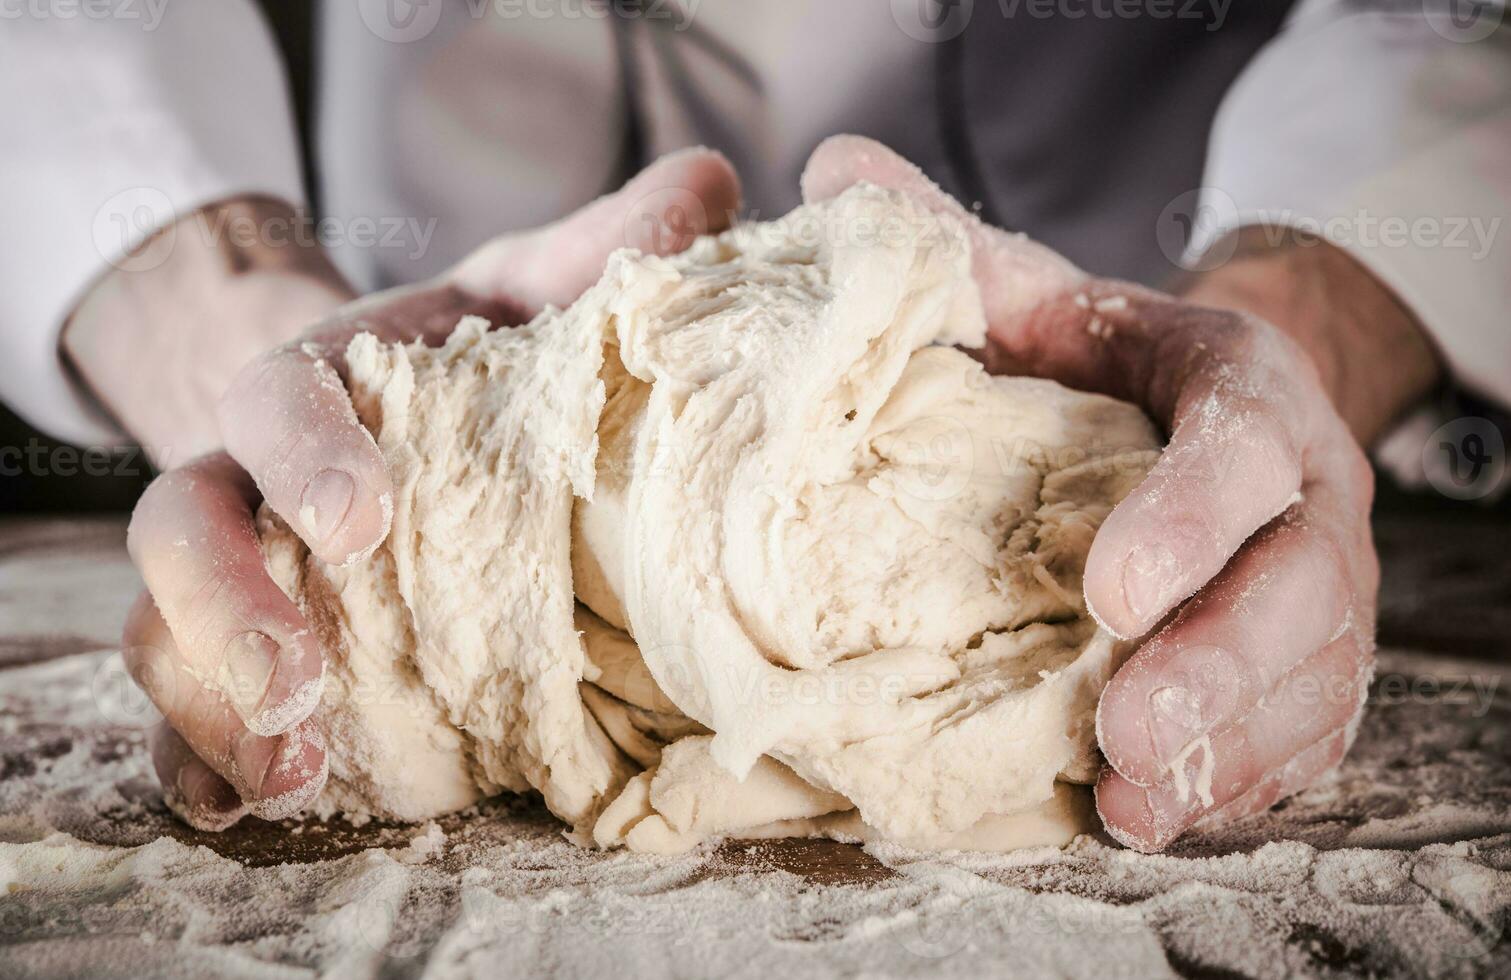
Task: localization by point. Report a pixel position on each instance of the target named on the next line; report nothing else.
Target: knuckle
(1229, 329)
(1333, 563)
(179, 497)
(1200, 525)
(1262, 342)
(201, 719)
(248, 410)
(279, 470)
(212, 613)
(1328, 569)
(255, 378)
(163, 504)
(1266, 434)
(163, 495)
(1361, 477)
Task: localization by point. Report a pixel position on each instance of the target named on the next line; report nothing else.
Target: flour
(1398, 866)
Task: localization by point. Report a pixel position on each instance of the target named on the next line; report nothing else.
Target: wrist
(1375, 360)
(158, 345)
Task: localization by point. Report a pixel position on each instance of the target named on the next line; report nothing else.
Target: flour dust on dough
(736, 545)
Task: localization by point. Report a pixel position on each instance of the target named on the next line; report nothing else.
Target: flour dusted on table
(735, 545)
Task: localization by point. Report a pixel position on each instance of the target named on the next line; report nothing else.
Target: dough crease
(737, 544)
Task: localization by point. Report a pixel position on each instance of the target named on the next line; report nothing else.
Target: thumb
(1016, 276)
(682, 195)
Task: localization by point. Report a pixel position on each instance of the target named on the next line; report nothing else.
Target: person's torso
(442, 123)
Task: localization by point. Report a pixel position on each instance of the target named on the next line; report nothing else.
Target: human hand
(223, 653)
(159, 337)
(1252, 530)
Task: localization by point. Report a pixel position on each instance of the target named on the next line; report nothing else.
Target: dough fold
(735, 545)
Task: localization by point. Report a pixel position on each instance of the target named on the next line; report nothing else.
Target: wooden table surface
(65, 585)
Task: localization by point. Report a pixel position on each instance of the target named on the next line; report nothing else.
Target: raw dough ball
(828, 572)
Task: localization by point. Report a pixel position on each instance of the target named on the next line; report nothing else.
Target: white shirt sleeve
(114, 127)
(1385, 128)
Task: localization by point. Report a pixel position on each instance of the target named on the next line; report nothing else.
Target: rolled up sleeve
(1386, 129)
(119, 119)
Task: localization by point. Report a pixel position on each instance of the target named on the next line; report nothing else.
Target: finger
(288, 420)
(192, 539)
(1317, 702)
(191, 788)
(275, 776)
(682, 195)
(1244, 421)
(1124, 807)
(1309, 766)
(1045, 317)
(287, 417)
(1016, 276)
(1288, 594)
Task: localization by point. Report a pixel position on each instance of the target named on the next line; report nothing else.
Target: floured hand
(214, 618)
(1252, 529)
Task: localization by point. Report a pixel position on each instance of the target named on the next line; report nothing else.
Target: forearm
(1375, 359)
(158, 338)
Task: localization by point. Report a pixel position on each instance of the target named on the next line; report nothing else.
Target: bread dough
(735, 545)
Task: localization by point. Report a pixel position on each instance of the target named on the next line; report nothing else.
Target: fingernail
(295, 774)
(1169, 816)
(1150, 576)
(202, 799)
(325, 502)
(204, 791)
(1175, 721)
(248, 671)
(1204, 690)
(193, 790)
(250, 757)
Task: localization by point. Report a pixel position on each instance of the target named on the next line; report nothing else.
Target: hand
(1253, 529)
(214, 614)
(159, 338)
